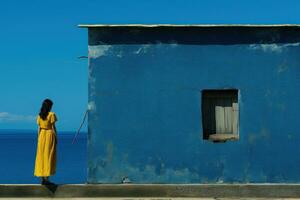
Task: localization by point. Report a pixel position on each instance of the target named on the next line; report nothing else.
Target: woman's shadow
(51, 186)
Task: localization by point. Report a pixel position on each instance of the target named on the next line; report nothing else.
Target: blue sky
(40, 43)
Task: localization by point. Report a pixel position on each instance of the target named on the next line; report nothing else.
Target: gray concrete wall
(153, 190)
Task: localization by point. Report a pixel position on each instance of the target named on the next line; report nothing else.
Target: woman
(45, 162)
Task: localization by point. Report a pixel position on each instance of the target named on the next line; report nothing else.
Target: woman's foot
(43, 181)
(47, 182)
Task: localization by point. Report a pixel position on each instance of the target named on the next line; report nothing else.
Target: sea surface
(17, 157)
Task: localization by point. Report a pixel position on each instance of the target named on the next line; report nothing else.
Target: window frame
(218, 95)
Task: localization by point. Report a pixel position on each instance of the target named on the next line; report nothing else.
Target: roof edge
(185, 25)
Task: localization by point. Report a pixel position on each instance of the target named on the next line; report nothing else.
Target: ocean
(18, 150)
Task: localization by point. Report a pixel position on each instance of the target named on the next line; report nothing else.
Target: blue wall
(145, 111)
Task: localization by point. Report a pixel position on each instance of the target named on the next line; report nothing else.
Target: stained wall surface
(145, 89)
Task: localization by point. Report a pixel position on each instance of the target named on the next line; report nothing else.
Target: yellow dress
(45, 162)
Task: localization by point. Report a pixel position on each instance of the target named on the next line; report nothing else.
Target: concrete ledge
(153, 190)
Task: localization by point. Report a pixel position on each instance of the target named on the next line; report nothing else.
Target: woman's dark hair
(45, 109)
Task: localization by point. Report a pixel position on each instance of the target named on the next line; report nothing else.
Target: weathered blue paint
(145, 107)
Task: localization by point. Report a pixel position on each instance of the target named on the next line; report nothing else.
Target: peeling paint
(115, 169)
(283, 67)
(143, 49)
(272, 48)
(98, 50)
(262, 135)
(110, 151)
(91, 106)
(252, 138)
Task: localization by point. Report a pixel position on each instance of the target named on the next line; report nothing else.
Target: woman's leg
(45, 180)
